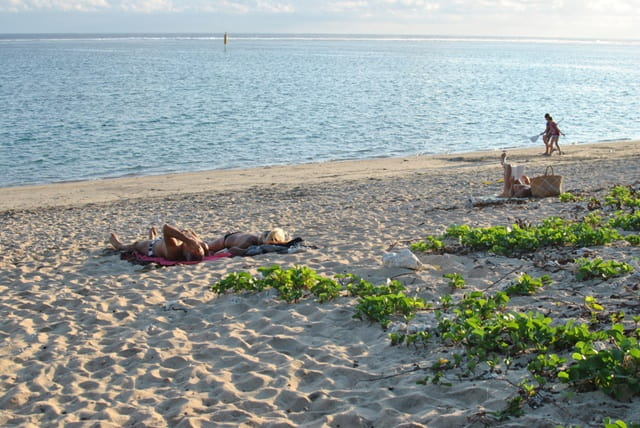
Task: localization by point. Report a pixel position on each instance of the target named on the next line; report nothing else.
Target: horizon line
(302, 35)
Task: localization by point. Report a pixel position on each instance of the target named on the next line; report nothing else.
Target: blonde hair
(275, 236)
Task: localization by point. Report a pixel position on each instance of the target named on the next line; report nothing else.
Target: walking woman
(551, 135)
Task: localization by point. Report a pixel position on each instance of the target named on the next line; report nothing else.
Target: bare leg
(506, 192)
(554, 140)
(547, 146)
(235, 251)
(153, 233)
(115, 242)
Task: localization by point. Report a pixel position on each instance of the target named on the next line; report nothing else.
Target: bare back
(237, 240)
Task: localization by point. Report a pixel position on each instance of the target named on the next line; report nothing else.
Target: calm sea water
(91, 106)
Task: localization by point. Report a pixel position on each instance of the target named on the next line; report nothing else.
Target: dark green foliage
(418, 338)
(633, 239)
(357, 286)
(569, 197)
(513, 409)
(608, 423)
(430, 243)
(380, 308)
(237, 282)
(615, 370)
(598, 268)
(516, 239)
(525, 285)
(622, 196)
(482, 325)
(546, 365)
(455, 280)
(626, 221)
(292, 284)
(376, 303)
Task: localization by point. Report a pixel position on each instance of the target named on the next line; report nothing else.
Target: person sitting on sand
(237, 243)
(175, 244)
(516, 184)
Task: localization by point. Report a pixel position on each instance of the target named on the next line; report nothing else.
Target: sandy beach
(91, 340)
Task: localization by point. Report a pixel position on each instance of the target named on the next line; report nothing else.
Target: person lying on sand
(237, 243)
(175, 244)
(516, 184)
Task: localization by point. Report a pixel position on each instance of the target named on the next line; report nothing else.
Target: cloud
(613, 7)
(147, 6)
(548, 18)
(380, 7)
(314, 7)
(49, 5)
(236, 7)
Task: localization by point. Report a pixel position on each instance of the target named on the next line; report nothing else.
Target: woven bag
(546, 185)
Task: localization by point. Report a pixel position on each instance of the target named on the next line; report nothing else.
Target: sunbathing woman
(516, 184)
(175, 244)
(237, 242)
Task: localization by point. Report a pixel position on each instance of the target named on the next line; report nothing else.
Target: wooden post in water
(225, 39)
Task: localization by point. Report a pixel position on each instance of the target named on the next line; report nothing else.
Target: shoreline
(114, 189)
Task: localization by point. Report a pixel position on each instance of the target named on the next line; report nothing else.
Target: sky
(591, 19)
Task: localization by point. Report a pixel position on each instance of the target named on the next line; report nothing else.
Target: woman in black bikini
(238, 242)
(175, 244)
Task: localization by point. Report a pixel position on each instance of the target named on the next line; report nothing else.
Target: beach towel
(140, 258)
(517, 172)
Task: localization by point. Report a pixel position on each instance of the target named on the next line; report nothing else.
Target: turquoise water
(88, 107)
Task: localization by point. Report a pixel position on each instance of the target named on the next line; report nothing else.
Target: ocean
(87, 107)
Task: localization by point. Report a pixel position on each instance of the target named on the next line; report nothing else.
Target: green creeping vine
(415, 339)
(455, 280)
(292, 284)
(569, 197)
(608, 423)
(357, 286)
(518, 239)
(380, 303)
(614, 370)
(626, 221)
(483, 326)
(430, 243)
(633, 239)
(489, 333)
(623, 196)
(375, 303)
(380, 308)
(598, 268)
(526, 285)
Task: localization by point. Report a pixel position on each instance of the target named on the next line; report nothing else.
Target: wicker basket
(546, 185)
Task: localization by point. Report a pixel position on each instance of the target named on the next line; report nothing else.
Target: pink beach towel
(165, 262)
